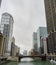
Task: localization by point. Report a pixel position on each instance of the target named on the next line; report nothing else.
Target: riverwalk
(4, 60)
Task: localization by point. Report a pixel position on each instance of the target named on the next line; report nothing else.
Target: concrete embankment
(3, 60)
(12, 58)
(8, 59)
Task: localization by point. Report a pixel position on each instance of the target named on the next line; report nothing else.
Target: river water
(28, 61)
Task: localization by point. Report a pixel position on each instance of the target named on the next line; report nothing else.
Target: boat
(52, 61)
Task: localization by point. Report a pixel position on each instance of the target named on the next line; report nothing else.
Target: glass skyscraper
(41, 33)
(7, 29)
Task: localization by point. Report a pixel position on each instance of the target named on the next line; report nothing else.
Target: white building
(25, 52)
(7, 29)
(44, 44)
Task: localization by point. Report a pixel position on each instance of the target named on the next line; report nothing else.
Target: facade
(35, 41)
(7, 29)
(50, 9)
(29, 53)
(41, 32)
(2, 44)
(17, 50)
(32, 52)
(0, 2)
(25, 52)
(44, 40)
(13, 47)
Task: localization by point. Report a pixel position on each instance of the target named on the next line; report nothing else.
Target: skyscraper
(41, 33)
(13, 47)
(7, 29)
(0, 2)
(50, 9)
(35, 41)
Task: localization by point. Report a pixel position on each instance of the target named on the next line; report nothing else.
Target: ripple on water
(26, 63)
(36, 62)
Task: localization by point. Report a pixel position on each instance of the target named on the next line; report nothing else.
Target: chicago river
(28, 61)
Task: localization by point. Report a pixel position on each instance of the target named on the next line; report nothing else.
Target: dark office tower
(50, 9)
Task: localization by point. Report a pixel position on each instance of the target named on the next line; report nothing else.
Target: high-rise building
(0, 2)
(13, 47)
(44, 41)
(7, 29)
(35, 41)
(17, 50)
(41, 33)
(50, 9)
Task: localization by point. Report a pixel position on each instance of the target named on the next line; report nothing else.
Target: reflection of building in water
(2, 44)
(7, 29)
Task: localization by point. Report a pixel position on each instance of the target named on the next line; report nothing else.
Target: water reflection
(41, 63)
(25, 63)
(27, 59)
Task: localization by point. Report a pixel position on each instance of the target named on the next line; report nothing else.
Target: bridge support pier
(19, 59)
(43, 58)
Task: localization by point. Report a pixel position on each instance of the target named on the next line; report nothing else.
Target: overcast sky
(28, 16)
